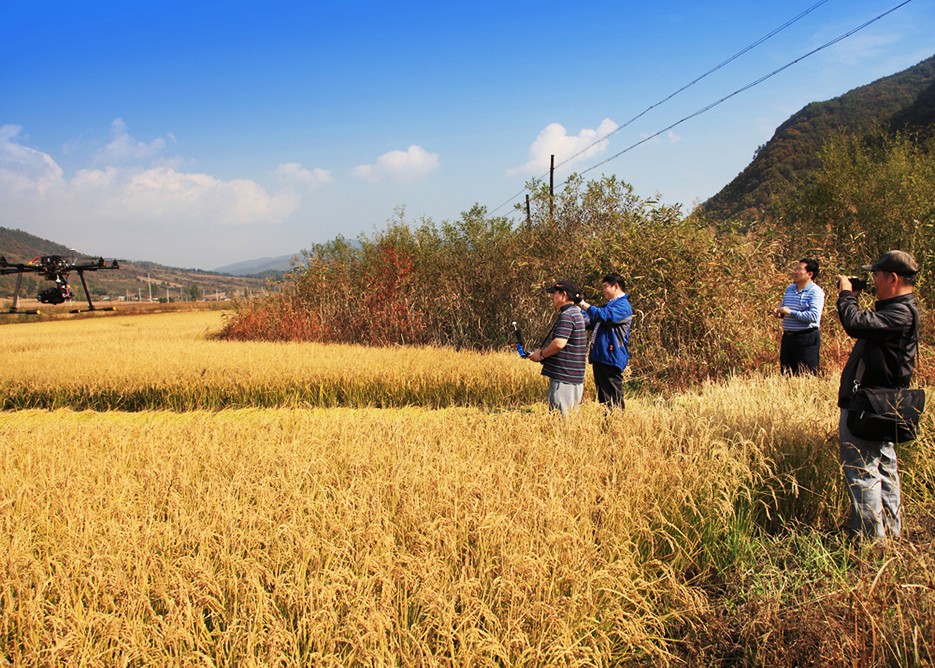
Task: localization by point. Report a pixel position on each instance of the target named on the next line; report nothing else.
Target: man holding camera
(883, 357)
(801, 308)
(565, 350)
(610, 340)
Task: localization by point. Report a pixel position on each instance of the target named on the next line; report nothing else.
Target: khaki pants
(564, 397)
(872, 484)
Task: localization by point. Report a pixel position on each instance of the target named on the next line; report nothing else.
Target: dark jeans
(609, 382)
(798, 352)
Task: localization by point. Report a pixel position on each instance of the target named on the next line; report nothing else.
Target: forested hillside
(903, 102)
(19, 246)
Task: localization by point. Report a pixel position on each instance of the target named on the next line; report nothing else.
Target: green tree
(869, 195)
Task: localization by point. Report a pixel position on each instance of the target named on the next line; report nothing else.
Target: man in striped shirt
(565, 351)
(802, 305)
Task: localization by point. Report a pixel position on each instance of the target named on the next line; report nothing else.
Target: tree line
(702, 290)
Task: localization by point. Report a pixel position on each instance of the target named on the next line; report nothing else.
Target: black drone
(54, 268)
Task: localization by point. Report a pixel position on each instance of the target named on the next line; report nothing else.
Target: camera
(857, 284)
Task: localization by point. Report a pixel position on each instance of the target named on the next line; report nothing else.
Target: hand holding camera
(856, 284)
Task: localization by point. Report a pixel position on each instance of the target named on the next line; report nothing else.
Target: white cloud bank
(555, 140)
(133, 208)
(411, 164)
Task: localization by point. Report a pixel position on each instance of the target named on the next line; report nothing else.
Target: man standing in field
(800, 311)
(883, 357)
(565, 350)
(610, 340)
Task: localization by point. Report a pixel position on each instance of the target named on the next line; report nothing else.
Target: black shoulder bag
(884, 413)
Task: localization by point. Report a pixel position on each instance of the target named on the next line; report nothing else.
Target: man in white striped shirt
(802, 305)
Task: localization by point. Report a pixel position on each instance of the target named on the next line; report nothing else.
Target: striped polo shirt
(567, 365)
(806, 305)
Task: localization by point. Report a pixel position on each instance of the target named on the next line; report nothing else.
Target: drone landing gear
(94, 308)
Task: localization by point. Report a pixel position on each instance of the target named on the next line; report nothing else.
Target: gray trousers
(872, 484)
(564, 397)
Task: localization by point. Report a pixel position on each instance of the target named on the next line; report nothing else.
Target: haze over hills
(264, 266)
(134, 280)
(902, 102)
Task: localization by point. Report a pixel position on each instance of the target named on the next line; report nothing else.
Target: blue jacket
(610, 343)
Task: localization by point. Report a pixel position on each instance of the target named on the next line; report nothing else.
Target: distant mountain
(261, 266)
(901, 102)
(134, 280)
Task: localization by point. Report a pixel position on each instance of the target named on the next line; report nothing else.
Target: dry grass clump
(813, 598)
(366, 536)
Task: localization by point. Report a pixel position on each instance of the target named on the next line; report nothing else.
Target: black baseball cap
(567, 287)
(896, 262)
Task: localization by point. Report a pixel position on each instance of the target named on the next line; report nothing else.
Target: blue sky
(199, 134)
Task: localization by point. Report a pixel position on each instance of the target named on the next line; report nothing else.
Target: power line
(714, 69)
(749, 86)
(721, 100)
(693, 82)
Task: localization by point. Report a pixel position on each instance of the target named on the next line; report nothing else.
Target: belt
(800, 331)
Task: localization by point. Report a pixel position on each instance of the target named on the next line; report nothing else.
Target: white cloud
(123, 148)
(23, 169)
(413, 163)
(168, 197)
(555, 140)
(137, 206)
(293, 173)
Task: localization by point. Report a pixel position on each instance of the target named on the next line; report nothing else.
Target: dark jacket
(887, 340)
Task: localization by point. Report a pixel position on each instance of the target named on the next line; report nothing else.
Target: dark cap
(567, 287)
(896, 262)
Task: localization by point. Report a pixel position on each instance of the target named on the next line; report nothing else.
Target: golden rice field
(169, 499)
(167, 361)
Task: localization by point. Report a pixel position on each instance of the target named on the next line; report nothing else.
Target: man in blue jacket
(610, 340)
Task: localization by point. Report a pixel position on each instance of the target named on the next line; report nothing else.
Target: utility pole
(552, 189)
